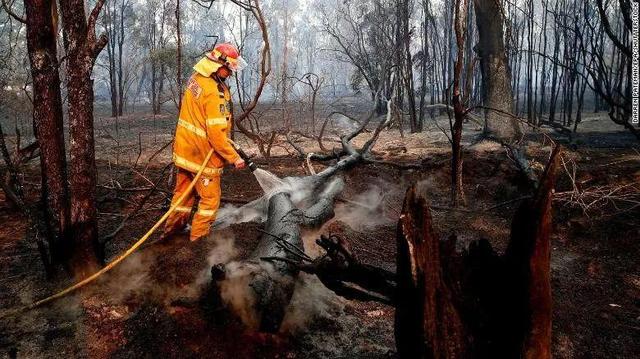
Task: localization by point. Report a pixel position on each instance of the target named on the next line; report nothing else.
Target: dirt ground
(155, 305)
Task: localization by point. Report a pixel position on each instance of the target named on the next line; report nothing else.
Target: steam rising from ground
(299, 188)
(131, 277)
(143, 273)
(135, 277)
(223, 251)
(235, 291)
(368, 209)
(311, 300)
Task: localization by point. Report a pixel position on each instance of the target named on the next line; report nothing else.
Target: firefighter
(204, 124)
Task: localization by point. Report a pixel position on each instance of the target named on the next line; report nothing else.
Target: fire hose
(135, 246)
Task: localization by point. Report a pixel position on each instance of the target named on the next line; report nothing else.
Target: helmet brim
(239, 65)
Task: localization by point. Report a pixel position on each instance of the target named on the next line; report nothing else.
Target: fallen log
(258, 289)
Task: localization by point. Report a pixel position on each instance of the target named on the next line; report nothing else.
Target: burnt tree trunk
(82, 48)
(47, 122)
(496, 74)
(460, 12)
(427, 322)
(475, 304)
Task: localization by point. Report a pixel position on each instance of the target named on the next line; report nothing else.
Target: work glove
(240, 164)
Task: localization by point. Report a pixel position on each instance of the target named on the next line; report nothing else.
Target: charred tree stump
(472, 303)
(427, 322)
(475, 303)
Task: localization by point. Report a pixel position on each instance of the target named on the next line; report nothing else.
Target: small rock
(115, 314)
(375, 313)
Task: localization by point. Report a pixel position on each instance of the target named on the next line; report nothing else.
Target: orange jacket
(204, 123)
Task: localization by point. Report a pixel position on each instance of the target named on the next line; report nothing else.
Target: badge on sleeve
(194, 87)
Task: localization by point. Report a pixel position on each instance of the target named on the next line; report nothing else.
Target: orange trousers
(208, 189)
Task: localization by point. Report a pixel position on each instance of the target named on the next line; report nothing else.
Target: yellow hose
(135, 246)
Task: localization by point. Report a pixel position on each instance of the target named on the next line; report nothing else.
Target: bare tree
(365, 38)
(611, 80)
(460, 11)
(315, 83)
(82, 47)
(264, 142)
(406, 63)
(48, 125)
(496, 74)
(113, 19)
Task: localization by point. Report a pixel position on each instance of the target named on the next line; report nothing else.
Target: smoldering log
(342, 272)
(271, 269)
(268, 276)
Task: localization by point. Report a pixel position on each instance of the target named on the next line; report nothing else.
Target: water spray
(267, 180)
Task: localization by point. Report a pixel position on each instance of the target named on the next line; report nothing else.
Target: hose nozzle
(252, 166)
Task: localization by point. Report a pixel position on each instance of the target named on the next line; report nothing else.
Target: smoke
(130, 278)
(236, 292)
(427, 186)
(169, 273)
(299, 188)
(368, 210)
(311, 301)
(223, 251)
(343, 125)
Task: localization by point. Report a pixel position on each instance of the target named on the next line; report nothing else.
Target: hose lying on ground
(135, 246)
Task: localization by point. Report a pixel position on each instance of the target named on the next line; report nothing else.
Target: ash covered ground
(145, 307)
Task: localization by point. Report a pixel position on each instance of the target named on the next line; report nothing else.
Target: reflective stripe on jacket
(204, 123)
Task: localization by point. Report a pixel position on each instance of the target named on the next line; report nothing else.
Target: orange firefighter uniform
(204, 124)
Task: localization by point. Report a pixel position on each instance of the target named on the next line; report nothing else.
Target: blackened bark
(48, 123)
(456, 153)
(407, 79)
(82, 49)
(341, 271)
(475, 303)
(458, 106)
(427, 323)
(496, 74)
(528, 261)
